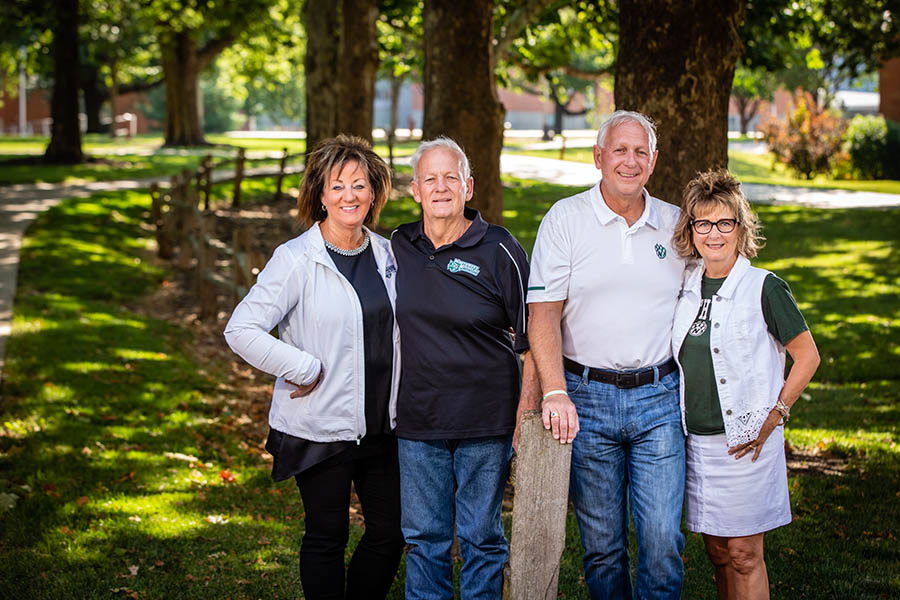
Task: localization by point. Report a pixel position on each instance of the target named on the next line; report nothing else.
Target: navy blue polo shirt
(462, 317)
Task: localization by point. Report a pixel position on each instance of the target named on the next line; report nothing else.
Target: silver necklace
(355, 252)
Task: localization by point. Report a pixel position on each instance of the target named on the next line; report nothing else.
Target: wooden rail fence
(186, 234)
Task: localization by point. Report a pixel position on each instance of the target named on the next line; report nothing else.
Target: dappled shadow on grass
(844, 268)
(89, 249)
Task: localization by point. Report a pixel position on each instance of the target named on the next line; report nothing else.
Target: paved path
(584, 174)
(21, 204)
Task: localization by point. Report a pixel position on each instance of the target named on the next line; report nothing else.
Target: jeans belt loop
(655, 375)
(585, 376)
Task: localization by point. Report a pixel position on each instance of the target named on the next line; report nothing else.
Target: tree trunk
(676, 64)
(396, 86)
(461, 99)
(322, 21)
(65, 135)
(181, 71)
(358, 64)
(93, 95)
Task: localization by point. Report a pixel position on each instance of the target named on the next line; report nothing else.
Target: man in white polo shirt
(602, 291)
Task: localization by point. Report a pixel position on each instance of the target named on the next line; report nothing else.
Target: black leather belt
(620, 379)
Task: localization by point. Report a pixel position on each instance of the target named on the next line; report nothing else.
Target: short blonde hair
(716, 187)
(337, 152)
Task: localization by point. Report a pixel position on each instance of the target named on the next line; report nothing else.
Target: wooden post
(238, 175)
(206, 166)
(240, 261)
(163, 242)
(281, 168)
(186, 223)
(206, 263)
(539, 512)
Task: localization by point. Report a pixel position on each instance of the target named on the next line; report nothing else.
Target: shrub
(866, 141)
(808, 140)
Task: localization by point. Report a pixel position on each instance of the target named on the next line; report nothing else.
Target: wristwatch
(783, 409)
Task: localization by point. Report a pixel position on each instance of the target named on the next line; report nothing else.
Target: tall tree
(461, 98)
(751, 87)
(191, 34)
(358, 66)
(322, 20)
(341, 63)
(676, 64)
(65, 134)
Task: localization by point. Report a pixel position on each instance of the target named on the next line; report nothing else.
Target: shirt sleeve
(783, 317)
(514, 277)
(550, 262)
(274, 295)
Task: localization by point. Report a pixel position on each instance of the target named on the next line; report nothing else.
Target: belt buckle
(626, 380)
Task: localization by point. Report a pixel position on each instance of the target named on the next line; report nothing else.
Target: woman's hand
(756, 445)
(303, 390)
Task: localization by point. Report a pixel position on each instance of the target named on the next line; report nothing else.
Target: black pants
(325, 491)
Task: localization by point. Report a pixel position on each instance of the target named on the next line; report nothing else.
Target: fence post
(281, 168)
(238, 175)
(206, 262)
(163, 241)
(539, 512)
(185, 222)
(207, 180)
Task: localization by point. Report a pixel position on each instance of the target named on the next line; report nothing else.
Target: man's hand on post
(559, 414)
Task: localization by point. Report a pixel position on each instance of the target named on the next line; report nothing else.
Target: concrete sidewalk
(21, 204)
(585, 174)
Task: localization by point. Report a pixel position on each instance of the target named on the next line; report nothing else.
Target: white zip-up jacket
(748, 362)
(319, 319)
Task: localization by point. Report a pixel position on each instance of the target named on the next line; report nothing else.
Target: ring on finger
(554, 414)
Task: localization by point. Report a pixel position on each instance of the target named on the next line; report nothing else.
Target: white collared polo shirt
(620, 283)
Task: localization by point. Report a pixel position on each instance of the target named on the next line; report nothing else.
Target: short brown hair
(337, 152)
(716, 187)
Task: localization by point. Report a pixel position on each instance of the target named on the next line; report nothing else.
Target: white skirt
(733, 498)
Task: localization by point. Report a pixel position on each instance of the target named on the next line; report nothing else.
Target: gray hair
(628, 116)
(465, 170)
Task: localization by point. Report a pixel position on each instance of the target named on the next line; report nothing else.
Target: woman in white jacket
(336, 361)
(733, 323)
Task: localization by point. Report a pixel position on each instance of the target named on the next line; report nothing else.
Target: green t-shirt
(703, 413)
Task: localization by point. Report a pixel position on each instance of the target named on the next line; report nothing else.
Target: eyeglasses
(723, 225)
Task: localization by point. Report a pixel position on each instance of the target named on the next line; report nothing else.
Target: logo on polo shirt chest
(660, 251)
(460, 266)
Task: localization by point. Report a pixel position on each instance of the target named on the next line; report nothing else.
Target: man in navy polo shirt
(462, 317)
(604, 282)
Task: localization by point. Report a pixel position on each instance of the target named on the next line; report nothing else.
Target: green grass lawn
(125, 471)
(142, 156)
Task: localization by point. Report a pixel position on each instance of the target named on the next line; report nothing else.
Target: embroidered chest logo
(391, 269)
(660, 251)
(456, 266)
(699, 326)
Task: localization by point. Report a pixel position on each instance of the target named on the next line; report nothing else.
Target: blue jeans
(443, 478)
(629, 453)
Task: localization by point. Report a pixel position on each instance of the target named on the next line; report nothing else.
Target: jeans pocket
(574, 383)
(670, 381)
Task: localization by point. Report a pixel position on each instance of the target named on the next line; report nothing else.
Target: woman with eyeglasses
(733, 323)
